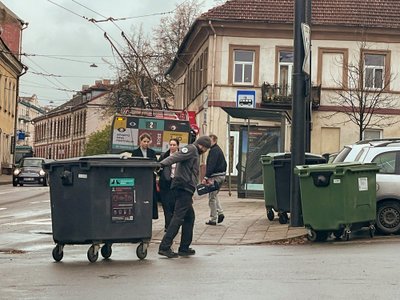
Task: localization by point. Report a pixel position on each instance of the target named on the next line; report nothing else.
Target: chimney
(106, 81)
(85, 87)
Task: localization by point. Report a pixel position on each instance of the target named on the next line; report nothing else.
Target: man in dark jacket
(215, 172)
(183, 187)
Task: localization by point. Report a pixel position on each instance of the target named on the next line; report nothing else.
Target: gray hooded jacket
(187, 168)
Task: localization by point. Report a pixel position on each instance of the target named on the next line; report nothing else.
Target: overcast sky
(62, 43)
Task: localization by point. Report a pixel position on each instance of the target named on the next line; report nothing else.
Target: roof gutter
(212, 71)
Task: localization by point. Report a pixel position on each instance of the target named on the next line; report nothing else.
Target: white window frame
(371, 130)
(243, 63)
(374, 69)
(290, 73)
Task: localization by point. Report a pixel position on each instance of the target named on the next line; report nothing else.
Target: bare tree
(144, 61)
(364, 94)
(169, 35)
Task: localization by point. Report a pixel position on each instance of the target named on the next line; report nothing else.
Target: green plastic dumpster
(337, 198)
(102, 199)
(276, 178)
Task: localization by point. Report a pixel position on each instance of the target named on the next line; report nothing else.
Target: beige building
(63, 132)
(27, 110)
(240, 55)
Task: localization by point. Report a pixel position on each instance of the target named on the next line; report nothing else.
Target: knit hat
(204, 141)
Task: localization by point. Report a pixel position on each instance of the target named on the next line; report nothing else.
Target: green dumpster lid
(343, 166)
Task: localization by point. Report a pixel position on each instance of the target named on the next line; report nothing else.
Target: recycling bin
(102, 199)
(276, 178)
(338, 198)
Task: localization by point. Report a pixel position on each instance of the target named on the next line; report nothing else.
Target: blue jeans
(183, 216)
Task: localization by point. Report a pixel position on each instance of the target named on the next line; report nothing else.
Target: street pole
(309, 89)
(298, 112)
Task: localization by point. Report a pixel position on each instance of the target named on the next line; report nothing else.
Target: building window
(285, 72)
(243, 66)
(374, 65)
(372, 134)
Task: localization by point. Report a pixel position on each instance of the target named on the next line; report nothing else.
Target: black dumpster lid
(107, 159)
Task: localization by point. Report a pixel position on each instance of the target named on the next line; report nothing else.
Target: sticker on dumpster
(122, 199)
(336, 180)
(363, 184)
(122, 181)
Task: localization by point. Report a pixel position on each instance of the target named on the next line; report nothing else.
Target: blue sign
(246, 99)
(21, 135)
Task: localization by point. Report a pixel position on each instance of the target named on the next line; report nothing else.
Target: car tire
(388, 217)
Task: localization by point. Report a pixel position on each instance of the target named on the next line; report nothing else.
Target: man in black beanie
(183, 187)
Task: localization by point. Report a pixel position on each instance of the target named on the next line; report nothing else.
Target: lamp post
(298, 110)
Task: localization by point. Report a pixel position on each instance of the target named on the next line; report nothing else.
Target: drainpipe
(212, 72)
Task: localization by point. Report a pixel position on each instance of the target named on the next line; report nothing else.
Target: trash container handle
(303, 171)
(340, 171)
(84, 165)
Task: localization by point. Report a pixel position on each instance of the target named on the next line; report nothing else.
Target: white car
(386, 154)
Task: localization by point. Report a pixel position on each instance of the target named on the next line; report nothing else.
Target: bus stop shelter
(254, 141)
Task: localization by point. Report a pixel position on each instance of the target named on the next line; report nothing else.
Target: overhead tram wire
(66, 87)
(94, 21)
(155, 87)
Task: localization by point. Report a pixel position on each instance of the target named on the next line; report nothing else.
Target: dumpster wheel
(270, 214)
(106, 251)
(141, 251)
(371, 230)
(347, 234)
(283, 218)
(338, 233)
(317, 236)
(58, 252)
(93, 253)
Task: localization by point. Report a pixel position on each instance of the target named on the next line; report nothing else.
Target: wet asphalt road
(359, 269)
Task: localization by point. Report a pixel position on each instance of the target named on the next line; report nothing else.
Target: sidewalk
(245, 223)
(5, 179)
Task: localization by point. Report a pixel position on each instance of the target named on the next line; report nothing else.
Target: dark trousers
(183, 216)
(168, 205)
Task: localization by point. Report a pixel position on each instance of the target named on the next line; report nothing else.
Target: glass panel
(248, 73)
(378, 78)
(374, 60)
(245, 56)
(386, 162)
(369, 77)
(238, 73)
(285, 56)
(372, 134)
(283, 80)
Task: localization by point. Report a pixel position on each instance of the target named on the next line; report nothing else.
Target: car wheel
(388, 217)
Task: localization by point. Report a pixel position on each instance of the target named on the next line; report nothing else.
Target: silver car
(386, 154)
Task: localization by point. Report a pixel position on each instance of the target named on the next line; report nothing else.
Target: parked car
(386, 154)
(30, 170)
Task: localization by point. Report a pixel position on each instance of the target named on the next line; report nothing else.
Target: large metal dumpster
(101, 200)
(338, 198)
(276, 179)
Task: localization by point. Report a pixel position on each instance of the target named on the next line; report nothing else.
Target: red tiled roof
(367, 13)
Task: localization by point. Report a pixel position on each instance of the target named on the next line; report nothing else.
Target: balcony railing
(274, 95)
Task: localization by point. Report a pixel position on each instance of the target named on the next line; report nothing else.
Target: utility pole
(309, 87)
(298, 111)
